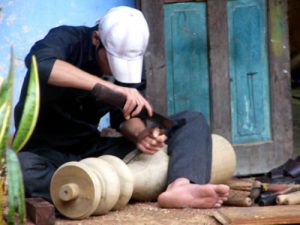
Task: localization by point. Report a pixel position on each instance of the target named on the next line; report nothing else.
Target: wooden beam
(280, 81)
(155, 55)
(258, 215)
(219, 67)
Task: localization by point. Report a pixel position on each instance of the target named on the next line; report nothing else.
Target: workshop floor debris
(150, 214)
(147, 213)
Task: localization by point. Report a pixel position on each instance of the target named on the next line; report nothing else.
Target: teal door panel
(249, 71)
(186, 57)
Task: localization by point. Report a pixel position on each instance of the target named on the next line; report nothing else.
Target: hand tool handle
(113, 98)
(278, 187)
(289, 199)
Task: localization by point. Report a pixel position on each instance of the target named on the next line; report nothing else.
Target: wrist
(132, 129)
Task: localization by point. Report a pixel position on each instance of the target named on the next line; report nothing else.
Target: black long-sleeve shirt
(68, 117)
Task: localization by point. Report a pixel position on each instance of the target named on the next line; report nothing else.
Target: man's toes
(220, 201)
(222, 190)
(224, 198)
(218, 205)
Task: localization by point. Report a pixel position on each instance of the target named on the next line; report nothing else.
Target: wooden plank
(155, 56)
(40, 211)
(219, 69)
(280, 81)
(254, 158)
(258, 215)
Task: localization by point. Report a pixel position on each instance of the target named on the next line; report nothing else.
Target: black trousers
(189, 148)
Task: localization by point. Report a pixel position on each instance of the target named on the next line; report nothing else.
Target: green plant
(10, 171)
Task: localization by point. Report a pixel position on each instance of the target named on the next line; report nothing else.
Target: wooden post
(219, 67)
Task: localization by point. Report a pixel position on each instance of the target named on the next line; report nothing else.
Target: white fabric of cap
(124, 33)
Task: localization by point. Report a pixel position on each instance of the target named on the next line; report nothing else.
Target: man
(71, 61)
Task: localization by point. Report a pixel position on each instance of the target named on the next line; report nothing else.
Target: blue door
(186, 57)
(249, 75)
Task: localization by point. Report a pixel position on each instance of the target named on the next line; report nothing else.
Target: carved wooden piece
(239, 198)
(125, 177)
(75, 190)
(223, 160)
(149, 172)
(243, 192)
(109, 184)
(241, 184)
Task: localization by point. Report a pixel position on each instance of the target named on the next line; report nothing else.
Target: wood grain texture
(239, 198)
(253, 157)
(155, 55)
(219, 69)
(280, 81)
(259, 215)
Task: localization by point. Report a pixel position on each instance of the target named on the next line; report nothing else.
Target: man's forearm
(64, 74)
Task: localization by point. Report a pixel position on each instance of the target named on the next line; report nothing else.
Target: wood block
(239, 198)
(288, 214)
(40, 211)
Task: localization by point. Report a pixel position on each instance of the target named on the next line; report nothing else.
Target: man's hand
(150, 140)
(135, 102)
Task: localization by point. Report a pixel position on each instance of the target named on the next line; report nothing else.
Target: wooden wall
(253, 157)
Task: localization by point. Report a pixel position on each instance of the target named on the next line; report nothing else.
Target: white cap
(124, 33)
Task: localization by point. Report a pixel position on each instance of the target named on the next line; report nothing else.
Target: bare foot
(181, 193)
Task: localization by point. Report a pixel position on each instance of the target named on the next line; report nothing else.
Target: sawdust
(147, 214)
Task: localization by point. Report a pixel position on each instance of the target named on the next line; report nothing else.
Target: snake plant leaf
(4, 129)
(7, 86)
(6, 101)
(15, 189)
(30, 111)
